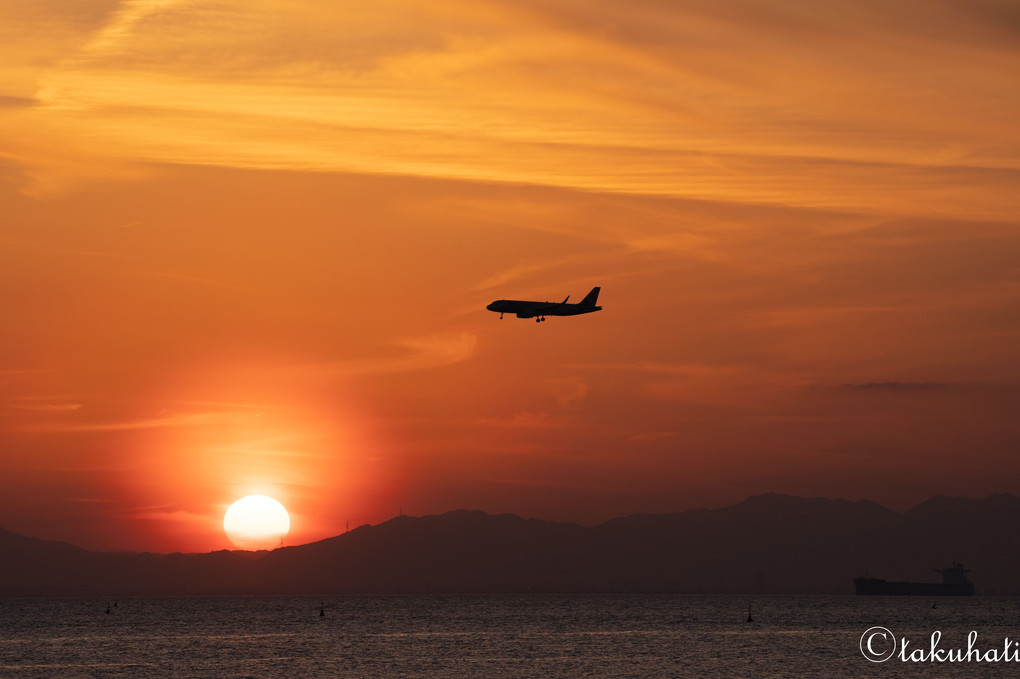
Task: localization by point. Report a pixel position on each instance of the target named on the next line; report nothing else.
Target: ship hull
(877, 586)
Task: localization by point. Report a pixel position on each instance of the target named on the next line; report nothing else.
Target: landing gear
(501, 315)
(540, 319)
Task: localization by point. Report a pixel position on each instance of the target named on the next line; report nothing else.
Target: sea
(511, 636)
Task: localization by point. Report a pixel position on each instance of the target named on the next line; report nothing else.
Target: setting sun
(256, 522)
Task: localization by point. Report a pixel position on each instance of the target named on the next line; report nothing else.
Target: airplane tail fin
(592, 297)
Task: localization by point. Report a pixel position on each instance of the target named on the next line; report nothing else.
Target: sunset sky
(246, 247)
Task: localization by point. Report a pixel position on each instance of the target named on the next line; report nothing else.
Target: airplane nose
(489, 307)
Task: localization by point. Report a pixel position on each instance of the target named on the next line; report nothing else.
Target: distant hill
(766, 544)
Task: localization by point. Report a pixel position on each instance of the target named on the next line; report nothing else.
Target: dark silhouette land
(765, 544)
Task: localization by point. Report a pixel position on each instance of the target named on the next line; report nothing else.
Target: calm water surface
(492, 636)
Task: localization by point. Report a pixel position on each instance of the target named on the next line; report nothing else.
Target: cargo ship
(954, 583)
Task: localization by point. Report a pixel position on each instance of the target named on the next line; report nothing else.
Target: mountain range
(766, 544)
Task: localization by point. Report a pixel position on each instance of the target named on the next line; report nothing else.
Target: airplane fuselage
(539, 310)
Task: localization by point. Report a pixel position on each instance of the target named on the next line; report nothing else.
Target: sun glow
(256, 522)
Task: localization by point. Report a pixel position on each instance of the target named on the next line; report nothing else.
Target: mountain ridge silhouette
(768, 543)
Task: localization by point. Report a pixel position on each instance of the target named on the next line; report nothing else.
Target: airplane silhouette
(539, 310)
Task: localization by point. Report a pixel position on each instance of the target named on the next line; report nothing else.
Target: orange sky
(246, 247)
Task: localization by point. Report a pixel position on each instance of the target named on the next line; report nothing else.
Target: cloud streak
(184, 420)
(675, 100)
(422, 353)
(898, 386)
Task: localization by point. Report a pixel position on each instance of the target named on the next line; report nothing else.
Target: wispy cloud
(168, 421)
(420, 353)
(670, 99)
(649, 436)
(50, 407)
(193, 279)
(123, 24)
(526, 420)
(15, 102)
(567, 390)
(670, 369)
(898, 386)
